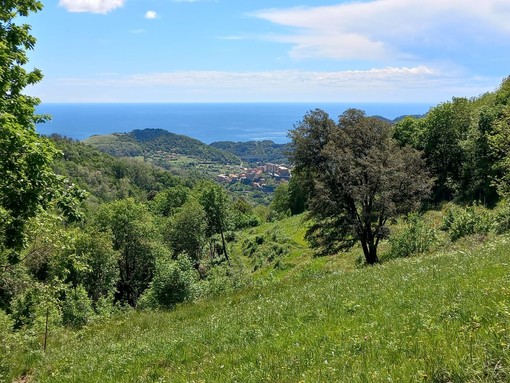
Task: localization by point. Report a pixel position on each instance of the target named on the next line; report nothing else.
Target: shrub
(173, 283)
(417, 237)
(77, 308)
(463, 221)
(501, 221)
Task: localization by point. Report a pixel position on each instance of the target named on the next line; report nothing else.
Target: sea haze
(206, 122)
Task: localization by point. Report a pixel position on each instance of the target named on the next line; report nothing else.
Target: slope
(426, 319)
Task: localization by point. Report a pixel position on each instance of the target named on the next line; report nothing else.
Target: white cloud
(389, 29)
(93, 6)
(151, 15)
(417, 84)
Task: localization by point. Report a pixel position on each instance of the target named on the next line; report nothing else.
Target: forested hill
(255, 151)
(107, 178)
(153, 143)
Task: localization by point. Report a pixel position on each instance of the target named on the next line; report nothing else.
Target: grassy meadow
(441, 317)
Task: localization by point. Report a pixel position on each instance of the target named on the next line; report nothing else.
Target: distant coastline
(209, 122)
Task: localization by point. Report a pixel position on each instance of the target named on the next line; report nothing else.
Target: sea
(208, 122)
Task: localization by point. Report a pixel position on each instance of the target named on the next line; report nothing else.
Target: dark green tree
(357, 177)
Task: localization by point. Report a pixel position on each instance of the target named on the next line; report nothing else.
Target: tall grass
(441, 318)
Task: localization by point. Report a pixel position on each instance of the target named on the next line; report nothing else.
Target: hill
(440, 318)
(106, 177)
(159, 146)
(255, 151)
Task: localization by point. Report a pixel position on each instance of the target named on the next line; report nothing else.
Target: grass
(437, 318)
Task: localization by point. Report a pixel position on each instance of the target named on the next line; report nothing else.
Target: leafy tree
(214, 200)
(446, 126)
(187, 232)
(170, 200)
(100, 275)
(134, 236)
(173, 283)
(28, 184)
(357, 177)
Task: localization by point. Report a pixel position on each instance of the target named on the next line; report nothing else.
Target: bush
(77, 308)
(501, 221)
(173, 283)
(417, 237)
(464, 221)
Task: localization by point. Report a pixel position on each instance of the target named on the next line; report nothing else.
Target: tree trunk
(224, 247)
(370, 252)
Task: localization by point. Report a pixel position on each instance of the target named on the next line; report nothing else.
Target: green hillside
(159, 146)
(437, 318)
(107, 178)
(255, 151)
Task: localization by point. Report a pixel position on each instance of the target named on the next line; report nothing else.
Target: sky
(395, 51)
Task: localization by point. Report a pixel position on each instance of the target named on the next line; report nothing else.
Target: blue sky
(257, 50)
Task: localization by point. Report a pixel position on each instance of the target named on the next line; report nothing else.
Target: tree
(357, 177)
(134, 237)
(27, 183)
(214, 199)
(187, 231)
(446, 126)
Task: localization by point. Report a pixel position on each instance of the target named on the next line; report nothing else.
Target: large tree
(357, 177)
(27, 182)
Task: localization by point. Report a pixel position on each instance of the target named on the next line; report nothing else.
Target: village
(259, 176)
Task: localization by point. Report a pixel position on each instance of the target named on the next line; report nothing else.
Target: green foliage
(15, 41)
(135, 238)
(501, 218)
(168, 201)
(463, 221)
(410, 131)
(265, 249)
(416, 237)
(280, 205)
(77, 308)
(100, 273)
(173, 283)
(214, 200)
(187, 231)
(242, 214)
(356, 177)
(254, 152)
(5, 343)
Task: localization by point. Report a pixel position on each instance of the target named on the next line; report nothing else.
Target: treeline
(465, 143)
(253, 152)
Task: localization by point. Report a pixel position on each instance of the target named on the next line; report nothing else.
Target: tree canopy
(28, 183)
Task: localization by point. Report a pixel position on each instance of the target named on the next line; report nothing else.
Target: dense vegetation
(112, 269)
(253, 152)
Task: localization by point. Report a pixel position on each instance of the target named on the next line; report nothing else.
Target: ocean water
(206, 122)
